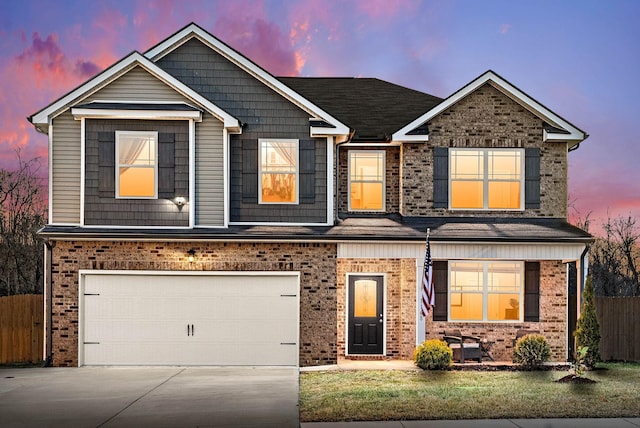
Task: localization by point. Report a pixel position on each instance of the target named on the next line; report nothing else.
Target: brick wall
(315, 262)
(400, 309)
(552, 324)
(484, 119)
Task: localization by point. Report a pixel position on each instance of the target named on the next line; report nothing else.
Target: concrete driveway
(149, 397)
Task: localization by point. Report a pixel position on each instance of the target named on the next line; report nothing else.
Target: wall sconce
(191, 254)
(179, 201)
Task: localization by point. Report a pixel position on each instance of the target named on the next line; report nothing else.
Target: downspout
(336, 215)
(48, 304)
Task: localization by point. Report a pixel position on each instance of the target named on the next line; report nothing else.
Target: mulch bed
(571, 378)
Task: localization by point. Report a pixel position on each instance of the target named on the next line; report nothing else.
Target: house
(203, 211)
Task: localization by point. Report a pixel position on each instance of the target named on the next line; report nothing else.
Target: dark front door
(366, 320)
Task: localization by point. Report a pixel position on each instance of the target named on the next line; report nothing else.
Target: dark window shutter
(440, 177)
(441, 288)
(106, 164)
(532, 291)
(307, 171)
(166, 165)
(250, 171)
(532, 178)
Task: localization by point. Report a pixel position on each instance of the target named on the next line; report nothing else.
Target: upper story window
(366, 180)
(485, 291)
(487, 179)
(278, 172)
(137, 169)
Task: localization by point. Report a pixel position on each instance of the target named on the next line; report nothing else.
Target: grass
(367, 395)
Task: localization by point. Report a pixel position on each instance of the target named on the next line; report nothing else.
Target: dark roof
(549, 230)
(373, 108)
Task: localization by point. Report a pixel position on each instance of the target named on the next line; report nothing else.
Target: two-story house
(203, 211)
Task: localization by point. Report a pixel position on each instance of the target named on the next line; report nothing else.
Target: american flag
(428, 297)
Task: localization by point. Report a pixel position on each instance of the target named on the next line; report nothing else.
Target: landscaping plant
(531, 351)
(587, 332)
(433, 354)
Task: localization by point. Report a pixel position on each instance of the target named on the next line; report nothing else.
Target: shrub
(433, 354)
(531, 351)
(587, 332)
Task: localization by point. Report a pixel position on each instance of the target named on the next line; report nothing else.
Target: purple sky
(580, 58)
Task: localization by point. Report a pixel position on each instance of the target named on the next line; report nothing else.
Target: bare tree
(22, 214)
(615, 258)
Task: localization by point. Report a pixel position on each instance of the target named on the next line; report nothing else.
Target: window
(485, 291)
(278, 169)
(487, 179)
(137, 170)
(366, 180)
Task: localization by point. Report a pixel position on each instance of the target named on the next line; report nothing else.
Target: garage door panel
(190, 319)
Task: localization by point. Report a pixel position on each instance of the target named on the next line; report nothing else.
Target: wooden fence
(619, 319)
(21, 328)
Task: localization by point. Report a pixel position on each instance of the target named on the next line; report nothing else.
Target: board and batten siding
(209, 172)
(137, 85)
(65, 170)
(460, 251)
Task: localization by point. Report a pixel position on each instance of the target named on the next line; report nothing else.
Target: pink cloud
(377, 9)
(504, 28)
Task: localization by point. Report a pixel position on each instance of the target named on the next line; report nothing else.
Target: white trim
(192, 173)
(384, 181)
(82, 273)
(461, 250)
(485, 178)
(261, 172)
(384, 311)
(226, 142)
(153, 134)
(120, 68)
(330, 177)
(575, 134)
(193, 30)
(421, 328)
(91, 113)
(50, 174)
(82, 168)
(266, 223)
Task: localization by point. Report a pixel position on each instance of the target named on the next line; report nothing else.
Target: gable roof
(319, 115)
(372, 108)
(42, 118)
(556, 128)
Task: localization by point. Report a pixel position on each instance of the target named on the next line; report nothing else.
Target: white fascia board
(89, 113)
(247, 65)
(508, 89)
(44, 116)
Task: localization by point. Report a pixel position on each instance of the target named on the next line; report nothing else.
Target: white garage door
(178, 319)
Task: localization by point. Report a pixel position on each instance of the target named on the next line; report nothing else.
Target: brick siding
(316, 263)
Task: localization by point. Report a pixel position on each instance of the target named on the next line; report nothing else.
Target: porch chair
(464, 347)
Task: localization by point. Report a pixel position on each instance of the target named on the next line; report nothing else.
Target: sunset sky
(579, 58)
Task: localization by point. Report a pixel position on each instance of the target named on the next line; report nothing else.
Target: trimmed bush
(531, 351)
(433, 354)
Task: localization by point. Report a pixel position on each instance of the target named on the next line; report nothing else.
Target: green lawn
(410, 395)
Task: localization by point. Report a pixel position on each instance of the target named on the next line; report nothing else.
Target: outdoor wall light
(191, 254)
(179, 201)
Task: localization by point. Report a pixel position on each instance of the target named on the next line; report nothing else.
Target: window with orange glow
(366, 180)
(278, 171)
(137, 173)
(490, 179)
(485, 291)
